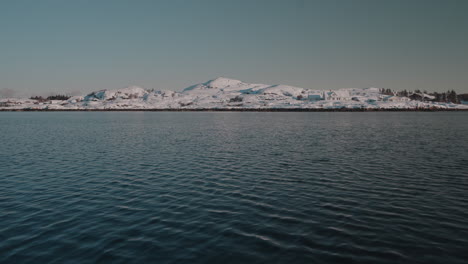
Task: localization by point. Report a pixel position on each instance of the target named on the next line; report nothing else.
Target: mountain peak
(222, 82)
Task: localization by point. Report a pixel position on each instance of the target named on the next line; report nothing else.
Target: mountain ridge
(226, 93)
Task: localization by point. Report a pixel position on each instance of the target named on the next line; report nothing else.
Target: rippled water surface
(150, 187)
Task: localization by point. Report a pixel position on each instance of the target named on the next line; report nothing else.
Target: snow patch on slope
(225, 93)
(130, 92)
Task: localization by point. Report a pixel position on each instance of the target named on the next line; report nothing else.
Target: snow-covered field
(223, 93)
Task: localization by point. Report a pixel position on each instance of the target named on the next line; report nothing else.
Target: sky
(78, 46)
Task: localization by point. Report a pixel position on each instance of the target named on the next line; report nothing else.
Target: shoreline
(242, 110)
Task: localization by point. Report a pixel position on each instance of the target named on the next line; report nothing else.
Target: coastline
(245, 110)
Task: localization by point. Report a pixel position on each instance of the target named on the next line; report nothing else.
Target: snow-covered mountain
(224, 93)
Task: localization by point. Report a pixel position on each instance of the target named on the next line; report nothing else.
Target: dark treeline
(463, 97)
(52, 97)
(444, 97)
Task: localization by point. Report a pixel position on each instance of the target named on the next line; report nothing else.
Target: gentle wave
(233, 187)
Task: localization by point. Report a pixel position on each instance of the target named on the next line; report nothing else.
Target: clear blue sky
(85, 45)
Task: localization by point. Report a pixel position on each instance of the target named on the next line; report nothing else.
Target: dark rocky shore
(243, 110)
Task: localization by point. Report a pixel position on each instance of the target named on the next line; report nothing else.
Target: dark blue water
(145, 187)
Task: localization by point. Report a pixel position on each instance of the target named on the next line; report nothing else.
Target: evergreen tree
(58, 97)
(452, 97)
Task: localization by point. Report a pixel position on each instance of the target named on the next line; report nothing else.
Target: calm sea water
(146, 187)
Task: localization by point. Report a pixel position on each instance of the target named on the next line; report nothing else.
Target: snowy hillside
(223, 93)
